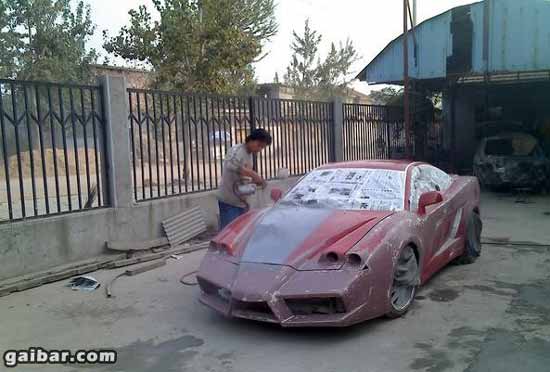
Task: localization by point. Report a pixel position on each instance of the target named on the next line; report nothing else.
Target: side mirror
(428, 198)
(276, 194)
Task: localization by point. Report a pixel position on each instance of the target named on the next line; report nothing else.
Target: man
(236, 166)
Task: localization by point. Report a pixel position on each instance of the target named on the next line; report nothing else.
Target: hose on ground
(185, 282)
(240, 196)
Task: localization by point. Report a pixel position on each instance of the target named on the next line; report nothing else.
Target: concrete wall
(40, 244)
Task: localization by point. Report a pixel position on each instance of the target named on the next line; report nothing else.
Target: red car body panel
(268, 263)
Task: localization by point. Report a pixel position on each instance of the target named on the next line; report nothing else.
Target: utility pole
(406, 113)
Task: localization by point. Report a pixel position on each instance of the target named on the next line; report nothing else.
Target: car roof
(398, 165)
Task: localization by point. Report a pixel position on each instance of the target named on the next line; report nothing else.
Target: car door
(437, 220)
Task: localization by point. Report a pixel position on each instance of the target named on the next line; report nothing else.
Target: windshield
(350, 189)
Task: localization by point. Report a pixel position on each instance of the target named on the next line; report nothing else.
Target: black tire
(405, 278)
(473, 240)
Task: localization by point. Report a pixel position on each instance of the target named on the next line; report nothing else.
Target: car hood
(299, 236)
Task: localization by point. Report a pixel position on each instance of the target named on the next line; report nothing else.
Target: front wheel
(473, 240)
(404, 283)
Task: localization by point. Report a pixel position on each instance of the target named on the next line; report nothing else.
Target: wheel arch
(415, 249)
(415, 245)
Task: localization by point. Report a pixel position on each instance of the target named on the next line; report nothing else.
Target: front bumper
(268, 293)
(513, 174)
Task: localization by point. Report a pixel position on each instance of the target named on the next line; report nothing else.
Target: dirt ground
(493, 315)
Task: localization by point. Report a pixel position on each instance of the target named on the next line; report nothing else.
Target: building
(135, 78)
(281, 91)
(491, 61)
(143, 79)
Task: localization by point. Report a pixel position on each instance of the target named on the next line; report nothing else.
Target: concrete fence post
(337, 151)
(115, 109)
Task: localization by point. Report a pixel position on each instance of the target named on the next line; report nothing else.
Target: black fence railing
(52, 149)
(378, 132)
(53, 142)
(302, 135)
(372, 132)
(179, 141)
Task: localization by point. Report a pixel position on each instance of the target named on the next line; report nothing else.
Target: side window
(426, 178)
(437, 178)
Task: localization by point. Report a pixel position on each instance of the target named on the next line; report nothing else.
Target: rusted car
(511, 160)
(349, 242)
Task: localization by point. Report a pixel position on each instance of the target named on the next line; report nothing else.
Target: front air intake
(310, 306)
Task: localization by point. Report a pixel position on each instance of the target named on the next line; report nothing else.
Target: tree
(312, 77)
(301, 74)
(198, 45)
(45, 40)
(387, 96)
(333, 74)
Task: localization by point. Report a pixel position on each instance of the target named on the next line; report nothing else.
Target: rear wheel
(404, 283)
(473, 240)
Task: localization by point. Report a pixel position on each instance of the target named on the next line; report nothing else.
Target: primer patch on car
(280, 231)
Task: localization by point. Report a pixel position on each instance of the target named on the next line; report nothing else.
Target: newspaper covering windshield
(351, 188)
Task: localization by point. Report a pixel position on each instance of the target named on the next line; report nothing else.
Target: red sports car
(350, 242)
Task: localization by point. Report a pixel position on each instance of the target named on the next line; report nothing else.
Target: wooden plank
(49, 277)
(126, 246)
(28, 281)
(188, 248)
(84, 264)
(153, 256)
(138, 269)
(134, 260)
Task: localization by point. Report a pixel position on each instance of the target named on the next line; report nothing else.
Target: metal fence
(378, 132)
(179, 141)
(52, 149)
(302, 135)
(372, 132)
(53, 154)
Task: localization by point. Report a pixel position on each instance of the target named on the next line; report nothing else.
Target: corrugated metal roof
(519, 39)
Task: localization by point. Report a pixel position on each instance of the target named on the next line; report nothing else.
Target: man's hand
(256, 178)
(261, 183)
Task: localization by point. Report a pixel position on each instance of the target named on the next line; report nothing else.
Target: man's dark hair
(261, 135)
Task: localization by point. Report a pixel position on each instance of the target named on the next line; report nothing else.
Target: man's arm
(234, 163)
(247, 172)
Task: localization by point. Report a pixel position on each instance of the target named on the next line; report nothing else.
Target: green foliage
(301, 74)
(387, 96)
(198, 45)
(333, 73)
(45, 40)
(323, 78)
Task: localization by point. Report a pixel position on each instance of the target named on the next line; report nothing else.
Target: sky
(370, 24)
